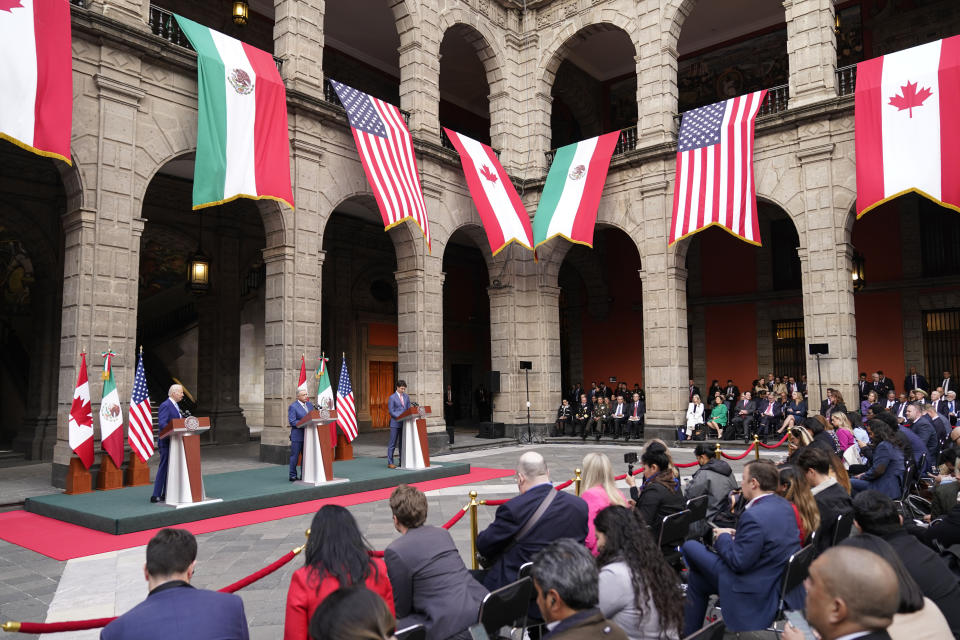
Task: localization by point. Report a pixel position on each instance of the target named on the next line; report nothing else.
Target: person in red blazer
(336, 556)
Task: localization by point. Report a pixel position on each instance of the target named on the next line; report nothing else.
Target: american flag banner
(141, 421)
(714, 179)
(386, 152)
(346, 410)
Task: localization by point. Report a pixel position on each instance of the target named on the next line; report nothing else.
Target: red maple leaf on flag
(909, 97)
(488, 174)
(10, 5)
(80, 409)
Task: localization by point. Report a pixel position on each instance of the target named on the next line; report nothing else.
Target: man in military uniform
(598, 418)
(581, 417)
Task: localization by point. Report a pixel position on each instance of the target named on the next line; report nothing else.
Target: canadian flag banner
(36, 81)
(907, 125)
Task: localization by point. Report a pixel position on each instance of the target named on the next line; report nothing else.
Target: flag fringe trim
(919, 192)
(32, 149)
(414, 221)
(560, 234)
(715, 224)
(513, 241)
(197, 207)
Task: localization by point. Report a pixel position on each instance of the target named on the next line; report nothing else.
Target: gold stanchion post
(718, 450)
(577, 480)
(756, 445)
(473, 530)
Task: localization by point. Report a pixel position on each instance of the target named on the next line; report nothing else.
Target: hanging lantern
(859, 281)
(241, 11)
(198, 274)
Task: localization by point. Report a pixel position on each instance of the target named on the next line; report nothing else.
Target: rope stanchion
(576, 479)
(473, 529)
(739, 457)
(756, 445)
(98, 623)
(774, 446)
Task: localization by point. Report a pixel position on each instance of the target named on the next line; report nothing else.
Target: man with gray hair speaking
(566, 580)
(529, 522)
(167, 411)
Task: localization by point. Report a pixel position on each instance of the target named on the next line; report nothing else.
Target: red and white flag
(504, 217)
(714, 177)
(36, 80)
(907, 126)
(346, 409)
(80, 421)
(386, 152)
(140, 433)
(302, 381)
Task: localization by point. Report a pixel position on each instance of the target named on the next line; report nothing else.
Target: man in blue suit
(173, 608)
(565, 517)
(396, 405)
(298, 409)
(168, 410)
(749, 562)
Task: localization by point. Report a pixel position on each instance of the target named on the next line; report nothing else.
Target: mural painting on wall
(727, 72)
(17, 274)
(163, 260)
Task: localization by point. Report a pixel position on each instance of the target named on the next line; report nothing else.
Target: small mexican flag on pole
(324, 390)
(111, 415)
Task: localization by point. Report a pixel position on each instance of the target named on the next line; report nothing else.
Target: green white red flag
(504, 217)
(243, 145)
(324, 389)
(36, 81)
(571, 196)
(80, 421)
(111, 414)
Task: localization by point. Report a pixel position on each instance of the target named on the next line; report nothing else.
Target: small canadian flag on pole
(302, 382)
(80, 421)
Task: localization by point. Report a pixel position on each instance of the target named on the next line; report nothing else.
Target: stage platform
(128, 510)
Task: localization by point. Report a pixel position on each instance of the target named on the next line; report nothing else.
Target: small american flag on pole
(141, 421)
(386, 153)
(714, 180)
(346, 410)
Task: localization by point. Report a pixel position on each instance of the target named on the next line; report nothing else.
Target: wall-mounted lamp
(241, 11)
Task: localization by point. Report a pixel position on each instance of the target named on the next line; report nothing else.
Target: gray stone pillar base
(275, 453)
(228, 427)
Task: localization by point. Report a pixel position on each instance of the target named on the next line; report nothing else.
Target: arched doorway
(464, 89)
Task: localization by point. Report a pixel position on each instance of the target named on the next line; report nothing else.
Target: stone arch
(677, 12)
(474, 230)
(72, 182)
(404, 236)
(480, 38)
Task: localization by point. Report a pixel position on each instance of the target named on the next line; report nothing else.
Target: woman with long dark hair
(887, 468)
(660, 495)
(336, 555)
(638, 589)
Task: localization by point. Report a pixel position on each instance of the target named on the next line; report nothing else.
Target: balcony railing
(447, 144)
(626, 142)
(846, 80)
(330, 95)
(77, 3)
(163, 24)
(775, 101)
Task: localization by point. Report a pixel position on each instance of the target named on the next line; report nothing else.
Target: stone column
(280, 356)
(520, 115)
(420, 335)
(812, 51)
(826, 257)
(298, 41)
(420, 73)
(656, 91)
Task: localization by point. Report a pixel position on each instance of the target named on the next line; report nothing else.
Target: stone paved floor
(36, 588)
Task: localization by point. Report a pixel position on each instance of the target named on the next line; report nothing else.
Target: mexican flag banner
(324, 390)
(111, 415)
(243, 146)
(571, 195)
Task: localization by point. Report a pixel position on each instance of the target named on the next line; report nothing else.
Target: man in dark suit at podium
(168, 410)
(174, 608)
(299, 408)
(397, 404)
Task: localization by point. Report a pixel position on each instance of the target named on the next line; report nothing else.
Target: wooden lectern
(184, 479)
(318, 428)
(415, 450)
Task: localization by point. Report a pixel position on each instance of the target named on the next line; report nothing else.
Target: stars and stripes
(386, 152)
(346, 410)
(140, 434)
(714, 178)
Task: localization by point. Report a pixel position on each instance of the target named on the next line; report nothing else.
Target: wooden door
(382, 375)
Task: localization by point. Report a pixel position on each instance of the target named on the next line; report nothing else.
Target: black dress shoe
(293, 479)
(154, 498)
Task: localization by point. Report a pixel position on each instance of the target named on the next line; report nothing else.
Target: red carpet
(64, 541)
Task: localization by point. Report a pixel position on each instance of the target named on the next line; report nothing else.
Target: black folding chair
(414, 632)
(673, 528)
(793, 576)
(841, 530)
(698, 508)
(506, 607)
(713, 631)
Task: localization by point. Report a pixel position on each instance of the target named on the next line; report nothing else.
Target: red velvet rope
(97, 623)
(375, 554)
(253, 577)
(636, 472)
(686, 465)
(563, 485)
(741, 456)
(493, 503)
(774, 446)
(455, 519)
